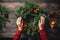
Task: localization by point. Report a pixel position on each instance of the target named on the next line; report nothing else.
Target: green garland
(30, 13)
(3, 18)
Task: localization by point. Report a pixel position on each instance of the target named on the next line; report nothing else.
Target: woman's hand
(19, 23)
(41, 23)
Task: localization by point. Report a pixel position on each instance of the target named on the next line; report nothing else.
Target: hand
(41, 23)
(19, 23)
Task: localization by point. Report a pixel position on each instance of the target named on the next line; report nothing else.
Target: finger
(39, 22)
(22, 22)
(18, 20)
(40, 19)
(43, 19)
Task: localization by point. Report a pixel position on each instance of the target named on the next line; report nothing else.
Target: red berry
(36, 11)
(24, 25)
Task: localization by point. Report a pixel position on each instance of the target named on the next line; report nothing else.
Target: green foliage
(3, 11)
(58, 22)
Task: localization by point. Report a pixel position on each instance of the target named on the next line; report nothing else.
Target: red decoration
(24, 25)
(36, 11)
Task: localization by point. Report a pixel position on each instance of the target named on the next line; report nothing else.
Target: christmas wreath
(30, 13)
